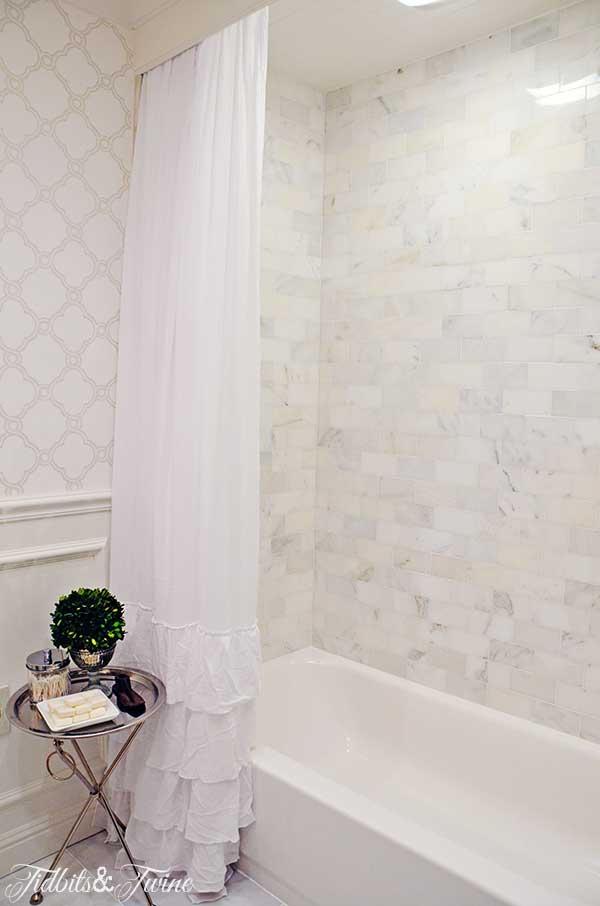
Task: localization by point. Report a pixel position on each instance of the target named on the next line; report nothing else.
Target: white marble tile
(459, 361)
(290, 309)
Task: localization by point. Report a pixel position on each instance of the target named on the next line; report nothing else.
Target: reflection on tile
(94, 851)
(536, 31)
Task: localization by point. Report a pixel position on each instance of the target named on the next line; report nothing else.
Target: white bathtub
(374, 790)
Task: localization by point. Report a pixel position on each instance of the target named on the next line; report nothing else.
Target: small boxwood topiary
(87, 619)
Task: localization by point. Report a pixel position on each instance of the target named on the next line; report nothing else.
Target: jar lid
(47, 660)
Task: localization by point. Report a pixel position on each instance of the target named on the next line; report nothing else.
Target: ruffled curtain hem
(184, 789)
(208, 671)
(168, 853)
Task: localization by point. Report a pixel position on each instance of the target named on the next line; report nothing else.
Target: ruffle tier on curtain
(186, 789)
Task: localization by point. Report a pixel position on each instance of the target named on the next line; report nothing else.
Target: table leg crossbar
(96, 793)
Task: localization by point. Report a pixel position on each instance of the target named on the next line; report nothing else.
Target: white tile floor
(93, 852)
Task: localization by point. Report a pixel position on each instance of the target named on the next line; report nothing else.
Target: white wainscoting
(48, 545)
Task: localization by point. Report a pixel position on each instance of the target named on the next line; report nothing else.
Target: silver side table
(28, 719)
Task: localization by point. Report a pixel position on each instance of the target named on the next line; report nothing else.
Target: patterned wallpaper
(66, 88)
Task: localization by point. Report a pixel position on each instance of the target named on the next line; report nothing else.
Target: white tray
(44, 708)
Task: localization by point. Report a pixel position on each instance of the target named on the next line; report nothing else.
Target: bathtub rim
(499, 881)
(505, 885)
(313, 655)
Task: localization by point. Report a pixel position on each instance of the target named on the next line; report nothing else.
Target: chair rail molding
(25, 509)
(51, 553)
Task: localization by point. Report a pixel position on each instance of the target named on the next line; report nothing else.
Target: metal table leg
(38, 896)
(96, 793)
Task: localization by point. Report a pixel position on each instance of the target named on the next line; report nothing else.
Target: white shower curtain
(186, 472)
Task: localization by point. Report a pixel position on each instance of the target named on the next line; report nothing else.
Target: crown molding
(138, 18)
(116, 11)
(131, 14)
(181, 24)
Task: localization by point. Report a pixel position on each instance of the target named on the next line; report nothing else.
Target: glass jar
(48, 674)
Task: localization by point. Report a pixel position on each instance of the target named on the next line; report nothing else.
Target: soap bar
(78, 708)
(63, 722)
(60, 709)
(91, 695)
(74, 700)
(96, 697)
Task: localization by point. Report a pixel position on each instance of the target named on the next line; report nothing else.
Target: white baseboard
(35, 819)
(38, 839)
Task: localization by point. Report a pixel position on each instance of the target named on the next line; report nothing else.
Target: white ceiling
(330, 43)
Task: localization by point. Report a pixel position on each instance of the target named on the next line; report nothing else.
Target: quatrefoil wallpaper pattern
(66, 88)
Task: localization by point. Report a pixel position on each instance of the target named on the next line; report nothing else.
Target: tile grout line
(244, 875)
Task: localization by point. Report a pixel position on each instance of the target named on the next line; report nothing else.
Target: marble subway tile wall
(66, 87)
(458, 537)
(290, 303)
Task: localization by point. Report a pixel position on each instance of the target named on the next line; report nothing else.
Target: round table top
(24, 717)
